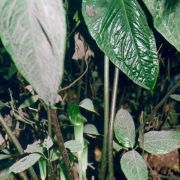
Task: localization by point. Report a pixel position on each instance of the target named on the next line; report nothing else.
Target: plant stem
(76, 80)
(49, 122)
(78, 132)
(106, 119)
(62, 148)
(111, 124)
(17, 145)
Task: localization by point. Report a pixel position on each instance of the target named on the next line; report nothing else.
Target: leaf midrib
(131, 32)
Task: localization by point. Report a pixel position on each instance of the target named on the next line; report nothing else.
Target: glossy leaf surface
(166, 19)
(121, 31)
(161, 142)
(34, 33)
(124, 128)
(134, 166)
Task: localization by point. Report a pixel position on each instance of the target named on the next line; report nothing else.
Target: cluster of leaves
(34, 34)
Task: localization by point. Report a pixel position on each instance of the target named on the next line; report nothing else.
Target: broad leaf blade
(166, 19)
(161, 142)
(124, 128)
(25, 163)
(34, 34)
(134, 166)
(121, 31)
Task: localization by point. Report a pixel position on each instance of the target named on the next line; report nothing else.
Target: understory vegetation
(89, 89)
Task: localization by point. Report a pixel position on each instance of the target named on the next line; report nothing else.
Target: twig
(76, 80)
(102, 173)
(111, 125)
(151, 116)
(60, 141)
(17, 145)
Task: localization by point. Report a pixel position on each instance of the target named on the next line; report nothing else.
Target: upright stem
(17, 145)
(78, 132)
(106, 119)
(49, 122)
(57, 129)
(111, 124)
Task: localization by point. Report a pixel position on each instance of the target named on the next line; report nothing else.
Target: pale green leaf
(48, 143)
(134, 166)
(34, 34)
(175, 97)
(124, 128)
(166, 19)
(91, 129)
(34, 147)
(88, 105)
(24, 163)
(74, 145)
(161, 142)
(120, 29)
(116, 146)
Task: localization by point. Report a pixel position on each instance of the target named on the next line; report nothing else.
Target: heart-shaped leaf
(134, 166)
(166, 19)
(124, 128)
(161, 142)
(34, 34)
(121, 31)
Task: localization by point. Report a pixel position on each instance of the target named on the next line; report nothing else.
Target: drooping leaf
(134, 166)
(29, 101)
(121, 31)
(161, 142)
(166, 19)
(175, 97)
(25, 163)
(88, 105)
(91, 129)
(34, 34)
(74, 145)
(124, 128)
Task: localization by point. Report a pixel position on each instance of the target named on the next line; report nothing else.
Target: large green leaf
(34, 34)
(121, 31)
(124, 128)
(161, 142)
(134, 166)
(166, 19)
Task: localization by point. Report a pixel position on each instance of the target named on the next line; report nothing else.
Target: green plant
(35, 33)
(155, 142)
